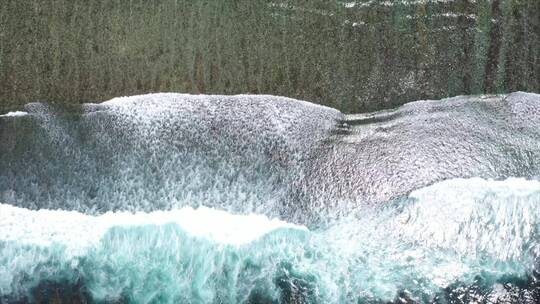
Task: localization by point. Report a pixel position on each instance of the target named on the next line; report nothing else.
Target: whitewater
(172, 198)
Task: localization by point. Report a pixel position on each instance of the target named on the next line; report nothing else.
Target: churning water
(170, 198)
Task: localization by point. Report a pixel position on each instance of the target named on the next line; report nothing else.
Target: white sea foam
(440, 234)
(78, 231)
(475, 216)
(152, 98)
(14, 114)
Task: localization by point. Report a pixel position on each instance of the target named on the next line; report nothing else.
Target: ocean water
(172, 198)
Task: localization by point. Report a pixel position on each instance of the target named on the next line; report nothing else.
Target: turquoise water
(454, 232)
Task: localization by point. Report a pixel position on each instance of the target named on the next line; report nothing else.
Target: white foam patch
(474, 217)
(14, 114)
(163, 97)
(78, 231)
(475, 188)
(452, 230)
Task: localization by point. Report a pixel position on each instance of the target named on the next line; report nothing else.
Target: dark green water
(353, 56)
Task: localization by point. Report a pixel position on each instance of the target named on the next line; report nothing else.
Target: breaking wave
(457, 232)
